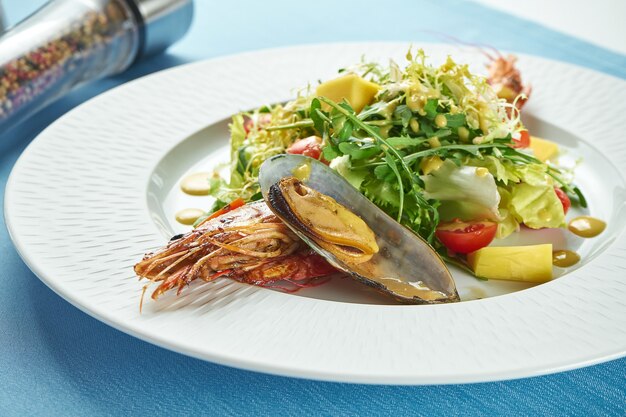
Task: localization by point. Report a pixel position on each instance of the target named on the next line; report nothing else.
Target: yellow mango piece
(352, 88)
(543, 149)
(514, 263)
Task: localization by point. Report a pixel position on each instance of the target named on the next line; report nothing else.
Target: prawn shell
(406, 267)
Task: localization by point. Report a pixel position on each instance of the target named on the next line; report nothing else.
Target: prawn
(505, 78)
(249, 244)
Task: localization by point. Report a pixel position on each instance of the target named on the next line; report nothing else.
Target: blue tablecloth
(56, 360)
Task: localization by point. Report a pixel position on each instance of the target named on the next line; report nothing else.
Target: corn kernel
(441, 121)
(430, 164)
(434, 142)
(463, 133)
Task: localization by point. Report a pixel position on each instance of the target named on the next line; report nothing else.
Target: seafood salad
(382, 174)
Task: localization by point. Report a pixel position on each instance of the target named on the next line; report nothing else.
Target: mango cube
(352, 88)
(543, 149)
(514, 263)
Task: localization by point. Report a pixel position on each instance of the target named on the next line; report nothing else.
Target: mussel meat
(333, 227)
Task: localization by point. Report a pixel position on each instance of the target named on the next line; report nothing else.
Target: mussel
(354, 235)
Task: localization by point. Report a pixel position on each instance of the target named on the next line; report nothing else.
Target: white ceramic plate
(99, 187)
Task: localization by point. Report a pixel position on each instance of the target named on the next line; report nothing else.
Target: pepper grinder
(67, 43)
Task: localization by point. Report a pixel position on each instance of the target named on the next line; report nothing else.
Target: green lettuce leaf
(536, 206)
(237, 135)
(382, 193)
(534, 174)
(502, 170)
(463, 194)
(508, 223)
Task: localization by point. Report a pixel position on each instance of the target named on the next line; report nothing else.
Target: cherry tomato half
(311, 146)
(466, 237)
(523, 140)
(564, 199)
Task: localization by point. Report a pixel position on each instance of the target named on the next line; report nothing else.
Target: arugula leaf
(330, 152)
(256, 197)
(345, 132)
(441, 133)
(427, 128)
(347, 148)
(242, 159)
(383, 194)
(382, 172)
(579, 195)
(431, 108)
(346, 106)
(365, 152)
(400, 142)
(316, 115)
(403, 113)
(455, 120)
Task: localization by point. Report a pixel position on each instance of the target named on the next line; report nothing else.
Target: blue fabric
(56, 360)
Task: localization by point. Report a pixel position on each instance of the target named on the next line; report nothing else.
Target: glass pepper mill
(69, 42)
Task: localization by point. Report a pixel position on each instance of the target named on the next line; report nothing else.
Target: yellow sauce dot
(475, 293)
(481, 172)
(544, 215)
(586, 226)
(565, 258)
(415, 102)
(188, 216)
(196, 184)
(414, 125)
(302, 171)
